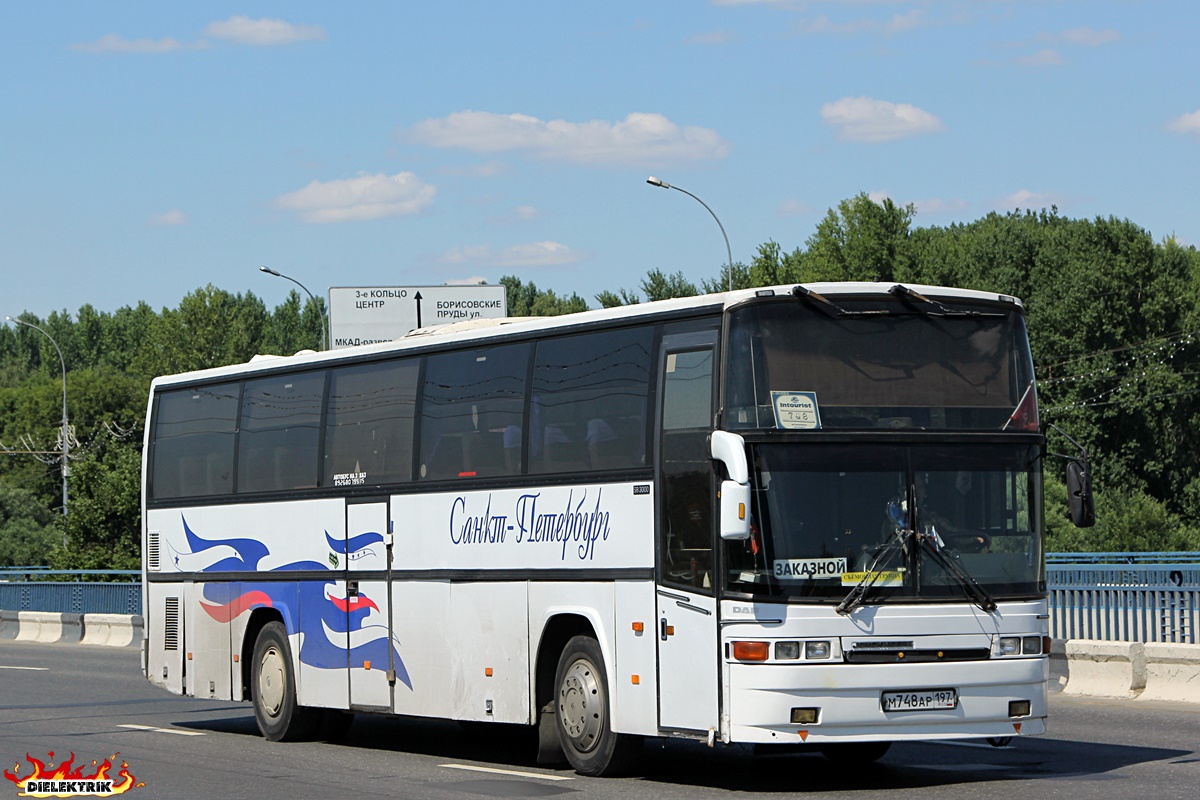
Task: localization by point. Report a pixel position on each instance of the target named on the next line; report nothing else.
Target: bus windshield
(827, 514)
(878, 364)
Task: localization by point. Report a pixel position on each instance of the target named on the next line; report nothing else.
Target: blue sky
(152, 148)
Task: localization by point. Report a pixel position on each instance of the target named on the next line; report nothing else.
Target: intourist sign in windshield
(370, 314)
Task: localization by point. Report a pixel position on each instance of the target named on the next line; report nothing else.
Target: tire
(583, 713)
(273, 689)
(855, 753)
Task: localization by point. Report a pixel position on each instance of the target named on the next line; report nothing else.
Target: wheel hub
(581, 706)
(271, 681)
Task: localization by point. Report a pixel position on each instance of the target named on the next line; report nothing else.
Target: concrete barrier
(112, 630)
(1105, 669)
(1172, 672)
(48, 626)
(9, 624)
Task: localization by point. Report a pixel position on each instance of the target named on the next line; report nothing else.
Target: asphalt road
(93, 702)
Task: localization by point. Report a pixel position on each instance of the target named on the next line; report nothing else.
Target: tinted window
(281, 425)
(369, 427)
(687, 468)
(194, 433)
(588, 409)
(472, 413)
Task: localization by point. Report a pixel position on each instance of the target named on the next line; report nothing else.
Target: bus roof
(482, 330)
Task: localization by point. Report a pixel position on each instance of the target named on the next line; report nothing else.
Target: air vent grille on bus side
(171, 624)
(152, 550)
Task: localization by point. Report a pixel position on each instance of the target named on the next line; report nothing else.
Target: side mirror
(1079, 495)
(734, 515)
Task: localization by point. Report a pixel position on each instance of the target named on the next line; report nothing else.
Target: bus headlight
(1031, 645)
(816, 650)
(1008, 646)
(787, 651)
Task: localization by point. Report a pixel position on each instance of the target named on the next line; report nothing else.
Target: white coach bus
(806, 514)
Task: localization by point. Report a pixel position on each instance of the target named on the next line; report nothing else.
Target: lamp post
(324, 324)
(653, 181)
(66, 437)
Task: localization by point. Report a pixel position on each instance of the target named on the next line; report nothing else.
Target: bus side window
(588, 410)
(472, 401)
(369, 424)
(280, 432)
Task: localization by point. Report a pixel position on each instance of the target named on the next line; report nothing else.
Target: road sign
(370, 314)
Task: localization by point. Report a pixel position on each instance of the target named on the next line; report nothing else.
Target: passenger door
(687, 609)
(368, 603)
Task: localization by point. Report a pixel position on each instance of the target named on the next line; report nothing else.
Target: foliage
(27, 533)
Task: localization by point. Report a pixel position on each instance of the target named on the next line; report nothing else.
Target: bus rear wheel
(273, 689)
(583, 713)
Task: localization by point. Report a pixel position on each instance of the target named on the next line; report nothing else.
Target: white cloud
(263, 32)
(878, 196)
(795, 208)
(1042, 58)
(532, 255)
(864, 119)
(475, 280)
(525, 212)
(112, 43)
(902, 23)
(364, 197)
(1023, 198)
(824, 25)
(639, 138)
(1188, 123)
(938, 205)
(1088, 37)
(169, 219)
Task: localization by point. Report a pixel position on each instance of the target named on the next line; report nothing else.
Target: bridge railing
(1125, 597)
(71, 591)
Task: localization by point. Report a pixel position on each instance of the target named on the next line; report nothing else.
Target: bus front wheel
(273, 689)
(583, 713)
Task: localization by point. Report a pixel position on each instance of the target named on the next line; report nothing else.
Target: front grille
(916, 656)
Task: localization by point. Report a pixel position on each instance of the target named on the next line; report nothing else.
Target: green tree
(860, 241)
(27, 533)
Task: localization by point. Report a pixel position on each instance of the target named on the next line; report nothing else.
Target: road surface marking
(31, 669)
(162, 730)
(517, 773)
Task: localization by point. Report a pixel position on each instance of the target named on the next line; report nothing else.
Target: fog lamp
(805, 716)
(1018, 708)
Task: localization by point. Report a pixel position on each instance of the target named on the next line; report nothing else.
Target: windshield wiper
(808, 295)
(905, 293)
(949, 562)
(858, 594)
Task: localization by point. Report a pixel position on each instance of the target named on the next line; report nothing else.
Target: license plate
(920, 700)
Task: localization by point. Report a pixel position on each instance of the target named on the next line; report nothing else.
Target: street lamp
(653, 181)
(320, 308)
(66, 437)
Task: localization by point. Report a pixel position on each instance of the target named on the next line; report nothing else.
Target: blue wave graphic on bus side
(320, 614)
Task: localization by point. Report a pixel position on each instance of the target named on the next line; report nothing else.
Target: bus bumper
(849, 701)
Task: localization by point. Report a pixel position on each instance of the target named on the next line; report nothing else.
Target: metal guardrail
(1123, 597)
(71, 591)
